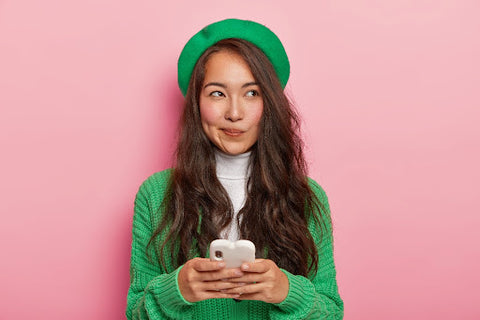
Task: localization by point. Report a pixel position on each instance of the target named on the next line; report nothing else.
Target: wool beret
(251, 31)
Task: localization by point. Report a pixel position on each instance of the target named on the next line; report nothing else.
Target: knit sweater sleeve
(315, 297)
(153, 293)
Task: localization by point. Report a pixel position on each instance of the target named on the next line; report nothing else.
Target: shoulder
(150, 197)
(155, 186)
(321, 225)
(158, 178)
(318, 191)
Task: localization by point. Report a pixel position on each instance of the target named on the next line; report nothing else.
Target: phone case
(232, 253)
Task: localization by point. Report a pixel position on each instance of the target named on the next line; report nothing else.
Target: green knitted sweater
(154, 292)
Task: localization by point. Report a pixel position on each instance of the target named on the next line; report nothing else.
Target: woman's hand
(201, 279)
(264, 282)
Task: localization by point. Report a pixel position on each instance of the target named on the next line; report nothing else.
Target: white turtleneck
(233, 172)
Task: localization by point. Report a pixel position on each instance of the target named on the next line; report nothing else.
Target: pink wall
(389, 93)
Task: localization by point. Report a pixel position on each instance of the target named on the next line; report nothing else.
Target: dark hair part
(279, 200)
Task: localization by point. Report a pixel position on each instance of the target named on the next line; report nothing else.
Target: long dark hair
(279, 201)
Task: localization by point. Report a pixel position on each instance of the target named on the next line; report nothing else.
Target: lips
(232, 132)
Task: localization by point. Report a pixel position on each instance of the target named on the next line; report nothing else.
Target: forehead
(227, 66)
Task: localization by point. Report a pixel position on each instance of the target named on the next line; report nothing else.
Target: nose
(234, 110)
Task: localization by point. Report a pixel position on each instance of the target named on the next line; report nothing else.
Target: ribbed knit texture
(154, 292)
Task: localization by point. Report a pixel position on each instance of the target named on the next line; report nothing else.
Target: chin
(234, 151)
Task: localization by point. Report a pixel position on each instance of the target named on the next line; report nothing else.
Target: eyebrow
(225, 86)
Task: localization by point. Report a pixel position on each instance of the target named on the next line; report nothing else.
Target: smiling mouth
(232, 132)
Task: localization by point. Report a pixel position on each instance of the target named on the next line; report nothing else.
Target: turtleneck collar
(232, 166)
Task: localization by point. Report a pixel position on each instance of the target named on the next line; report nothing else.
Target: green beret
(251, 31)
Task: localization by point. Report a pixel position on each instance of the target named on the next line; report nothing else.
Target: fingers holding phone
(201, 279)
(264, 281)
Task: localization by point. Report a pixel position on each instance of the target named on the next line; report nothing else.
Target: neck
(232, 166)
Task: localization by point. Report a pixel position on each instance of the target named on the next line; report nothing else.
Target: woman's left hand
(264, 282)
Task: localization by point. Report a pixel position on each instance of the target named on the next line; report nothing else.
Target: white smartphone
(232, 253)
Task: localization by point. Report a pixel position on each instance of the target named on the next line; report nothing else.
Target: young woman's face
(231, 103)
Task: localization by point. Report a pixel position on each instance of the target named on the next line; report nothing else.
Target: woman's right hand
(201, 278)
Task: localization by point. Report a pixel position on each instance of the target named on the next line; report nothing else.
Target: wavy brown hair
(279, 201)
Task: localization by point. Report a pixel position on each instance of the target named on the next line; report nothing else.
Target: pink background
(389, 94)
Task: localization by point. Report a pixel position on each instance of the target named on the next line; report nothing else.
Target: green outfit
(154, 291)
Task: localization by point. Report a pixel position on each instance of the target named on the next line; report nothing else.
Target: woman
(239, 174)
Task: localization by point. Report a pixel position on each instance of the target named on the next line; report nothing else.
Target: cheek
(256, 115)
(208, 114)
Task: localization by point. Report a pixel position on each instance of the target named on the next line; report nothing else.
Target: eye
(252, 93)
(216, 94)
